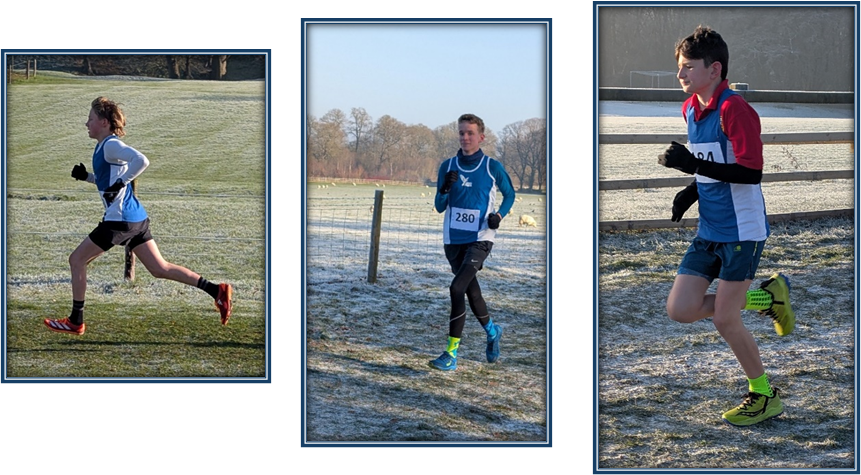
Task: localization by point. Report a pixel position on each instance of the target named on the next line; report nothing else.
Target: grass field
(663, 385)
(368, 345)
(205, 193)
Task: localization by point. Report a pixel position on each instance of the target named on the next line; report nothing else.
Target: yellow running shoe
(755, 408)
(780, 310)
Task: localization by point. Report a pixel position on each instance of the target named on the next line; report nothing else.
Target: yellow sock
(453, 344)
(760, 385)
(758, 300)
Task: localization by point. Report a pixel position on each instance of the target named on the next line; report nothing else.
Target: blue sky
(429, 73)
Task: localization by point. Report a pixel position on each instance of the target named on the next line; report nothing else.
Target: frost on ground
(663, 385)
(368, 345)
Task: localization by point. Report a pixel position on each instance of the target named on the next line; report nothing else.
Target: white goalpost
(668, 76)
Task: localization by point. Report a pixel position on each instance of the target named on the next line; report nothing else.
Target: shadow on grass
(373, 367)
(403, 407)
(77, 344)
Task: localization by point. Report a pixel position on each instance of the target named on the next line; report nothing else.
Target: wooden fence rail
(767, 139)
(640, 183)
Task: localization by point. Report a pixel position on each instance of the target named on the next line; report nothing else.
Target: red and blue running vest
(729, 212)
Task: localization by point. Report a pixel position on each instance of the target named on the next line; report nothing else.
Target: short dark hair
(707, 45)
(472, 119)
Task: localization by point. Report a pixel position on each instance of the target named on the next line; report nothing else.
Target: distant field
(205, 193)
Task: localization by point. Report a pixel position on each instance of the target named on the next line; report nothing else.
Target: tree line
(357, 146)
(188, 66)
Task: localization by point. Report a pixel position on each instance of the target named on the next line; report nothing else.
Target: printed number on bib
(710, 152)
(464, 219)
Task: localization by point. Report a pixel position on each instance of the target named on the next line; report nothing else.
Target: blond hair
(110, 111)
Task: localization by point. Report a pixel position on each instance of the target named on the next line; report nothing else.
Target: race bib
(464, 219)
(710, 152)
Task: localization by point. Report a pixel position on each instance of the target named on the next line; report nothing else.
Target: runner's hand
(79, 172)
(684, 200)
(450, 180)
(677, 156)
(493, 221)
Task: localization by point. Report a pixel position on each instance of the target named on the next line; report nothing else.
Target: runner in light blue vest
(466, 190)
(125, 222)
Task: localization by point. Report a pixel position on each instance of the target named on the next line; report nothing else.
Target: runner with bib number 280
(466, 191)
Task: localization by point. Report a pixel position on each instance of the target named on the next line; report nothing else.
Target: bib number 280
(465, 219)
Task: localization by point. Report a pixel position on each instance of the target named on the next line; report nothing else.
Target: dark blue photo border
(305, 22)
(268, 339)
(595, 198)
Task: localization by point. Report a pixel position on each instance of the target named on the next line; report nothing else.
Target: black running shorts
(473, 254)
(120, 233)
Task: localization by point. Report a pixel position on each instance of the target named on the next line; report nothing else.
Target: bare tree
(87, 66)
(490, 144)
(542, 164)
(173, 67)
(337, 117)
(418, 154)
(218, 66)
(511, 151)
(310, 123)
(388, 134)
(447, 140)
(535, 150)
(333, 125)
(359, 126)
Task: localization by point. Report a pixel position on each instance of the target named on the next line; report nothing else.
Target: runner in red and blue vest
(724, 153)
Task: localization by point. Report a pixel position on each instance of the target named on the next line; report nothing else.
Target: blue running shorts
(730, 261)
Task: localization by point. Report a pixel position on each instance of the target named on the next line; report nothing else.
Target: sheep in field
(526, 220)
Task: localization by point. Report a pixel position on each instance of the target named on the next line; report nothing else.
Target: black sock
(208, 287)
(77, 315)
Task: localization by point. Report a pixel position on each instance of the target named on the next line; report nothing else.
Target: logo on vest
(465, 181)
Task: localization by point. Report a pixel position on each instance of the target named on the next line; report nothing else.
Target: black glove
(79, 172)
(110, 192)
(677, 156)
(684, 200)
(493, 221)
(450, 179)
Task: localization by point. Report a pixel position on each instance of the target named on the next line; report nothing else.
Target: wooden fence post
(129, 271)
(28, 69)
(376, 228)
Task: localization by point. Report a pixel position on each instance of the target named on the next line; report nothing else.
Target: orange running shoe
(224, 302)
(65, 326)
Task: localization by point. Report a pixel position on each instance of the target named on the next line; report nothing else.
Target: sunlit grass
(205, 194)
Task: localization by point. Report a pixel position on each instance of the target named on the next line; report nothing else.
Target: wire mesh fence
(338, 232)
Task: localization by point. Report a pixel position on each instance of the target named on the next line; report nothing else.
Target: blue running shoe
(445, 362)
(493, 345)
